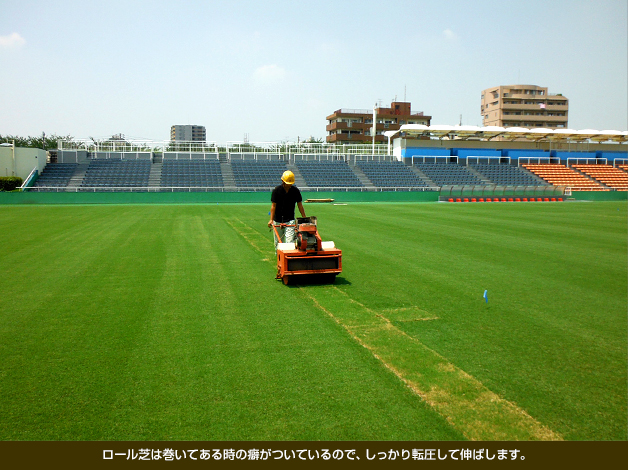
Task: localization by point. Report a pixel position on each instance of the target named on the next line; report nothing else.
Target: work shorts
(288, 234)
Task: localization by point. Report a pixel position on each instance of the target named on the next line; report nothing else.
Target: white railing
(549, 160)
(30, 176)
(147, 146)
(586, 161)
(488, 158)
(91, 145)
(221, 189)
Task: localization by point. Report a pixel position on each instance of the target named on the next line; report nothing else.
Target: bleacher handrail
(29, 179)
(586, 160)
(435, 157)
(539, 159)
(156, 189)
(135, 145)
(488, 157)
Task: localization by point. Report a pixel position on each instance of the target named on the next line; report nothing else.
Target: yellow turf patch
(460, 398)
(252, 236)
(408, 314)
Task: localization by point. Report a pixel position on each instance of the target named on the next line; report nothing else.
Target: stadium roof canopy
(510, 133)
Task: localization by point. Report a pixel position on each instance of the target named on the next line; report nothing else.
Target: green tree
(38, 142)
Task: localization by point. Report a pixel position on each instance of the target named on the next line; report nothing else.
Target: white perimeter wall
(25, 160)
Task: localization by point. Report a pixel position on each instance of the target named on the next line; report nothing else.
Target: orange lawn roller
(308, 256)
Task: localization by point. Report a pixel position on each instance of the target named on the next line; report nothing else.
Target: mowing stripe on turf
(252, 236)
(462, 400)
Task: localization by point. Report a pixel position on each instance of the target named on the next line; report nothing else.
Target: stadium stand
(507, 175)
(191, 174)
(106, 174)
(250, 174)
(605, 174)
(390, 174)
(327, 174)
(449, 174)
(623, 167)
(560, 175)
(55, 175)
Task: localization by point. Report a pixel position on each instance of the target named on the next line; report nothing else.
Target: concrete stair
(227, 174)
(299, 181)
(423, 176)
(366, 182)
(154, 178)
(78, 176)
(479, 175)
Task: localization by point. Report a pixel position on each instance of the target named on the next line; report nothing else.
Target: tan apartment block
(356, 125)
(524, 106)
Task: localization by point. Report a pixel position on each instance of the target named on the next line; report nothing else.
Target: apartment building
(355, 125)
(188, 133)
(524, 106)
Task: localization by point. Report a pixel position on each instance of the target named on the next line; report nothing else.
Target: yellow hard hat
(288, 177)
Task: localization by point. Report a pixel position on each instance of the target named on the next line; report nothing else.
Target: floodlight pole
(374, 126)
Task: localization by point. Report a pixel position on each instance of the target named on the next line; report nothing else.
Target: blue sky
(275, 70)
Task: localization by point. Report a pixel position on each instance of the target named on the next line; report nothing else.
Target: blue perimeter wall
(462, 153)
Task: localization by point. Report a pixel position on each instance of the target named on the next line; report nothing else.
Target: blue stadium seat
(187, 174)
(328, 174)
(391, 174)
(251, 174)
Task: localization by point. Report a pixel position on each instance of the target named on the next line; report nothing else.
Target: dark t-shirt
(285, 201)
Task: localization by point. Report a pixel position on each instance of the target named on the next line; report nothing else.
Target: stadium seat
(391, 174)
(449, 174)
(257, 174)
(191, 175)
(328, 174)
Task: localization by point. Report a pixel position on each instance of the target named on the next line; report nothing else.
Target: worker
(283, 199)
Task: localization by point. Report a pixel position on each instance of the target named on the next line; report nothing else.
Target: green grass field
(165, 322)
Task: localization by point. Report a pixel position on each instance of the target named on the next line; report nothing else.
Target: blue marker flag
(486, 295)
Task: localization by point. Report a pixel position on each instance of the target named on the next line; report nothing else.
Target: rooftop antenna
(404, 93)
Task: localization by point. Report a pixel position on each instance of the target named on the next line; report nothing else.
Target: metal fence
(206, 189)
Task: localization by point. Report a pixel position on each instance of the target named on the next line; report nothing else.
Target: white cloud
(450, 35)
(12, 40)
(268, 74)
